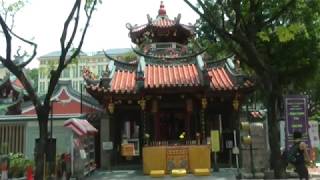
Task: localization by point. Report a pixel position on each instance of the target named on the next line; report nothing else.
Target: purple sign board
(296, 113)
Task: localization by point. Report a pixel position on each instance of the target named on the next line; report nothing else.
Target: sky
(42, 21)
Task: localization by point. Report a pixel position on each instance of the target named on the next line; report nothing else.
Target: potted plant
(18, 165)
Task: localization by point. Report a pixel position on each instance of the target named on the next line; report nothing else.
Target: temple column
(105, 154)
(187, 125)
(105, 138)
(156, 122)
(202, 118)
(188, 117)
(142, 129)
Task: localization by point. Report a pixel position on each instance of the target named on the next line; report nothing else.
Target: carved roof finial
(162, 11)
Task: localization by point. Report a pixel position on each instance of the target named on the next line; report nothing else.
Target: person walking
(301, 156)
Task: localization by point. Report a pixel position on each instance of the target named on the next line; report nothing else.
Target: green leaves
(286, 34)
(264, 36)
(18, 165)
(16, 6)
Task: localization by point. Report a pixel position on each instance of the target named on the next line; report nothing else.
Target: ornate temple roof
(157, 76)
(68, 98)
(12, 94)
(169, 58)
(123, 81)
(214, 76)
(161, 29)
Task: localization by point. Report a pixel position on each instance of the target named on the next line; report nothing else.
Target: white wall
(61, 133)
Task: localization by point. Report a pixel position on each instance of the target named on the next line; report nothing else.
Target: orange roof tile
(171, 76)
(220, 79)
(123, 81)
(162, 23)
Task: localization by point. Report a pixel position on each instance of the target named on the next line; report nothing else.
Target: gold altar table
(189, 157)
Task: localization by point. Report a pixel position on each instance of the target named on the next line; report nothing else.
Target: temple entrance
(221, 119)
(125, 129)
(172, 124)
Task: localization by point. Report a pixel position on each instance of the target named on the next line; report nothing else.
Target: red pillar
(189, 107)
(156, 123)
(187, 124)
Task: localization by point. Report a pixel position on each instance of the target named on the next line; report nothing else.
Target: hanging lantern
(236, 103)
(142, 104)
(154, 106)
(245, 126)
(111, 107)
(204, 103)
(175, 33)
(247, 139)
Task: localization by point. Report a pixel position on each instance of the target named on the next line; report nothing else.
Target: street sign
(215, 141)
(296, 118)
(108, 145)
(229, 144)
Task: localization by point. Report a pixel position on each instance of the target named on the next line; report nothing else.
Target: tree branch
(280, 12)
(55, 74)
(76, 53)
(34, 53)
(8, 63)
(222, 15)
(236, 7)
(7, 37)
(76, 23)
(63, 61)
(220, 31)
(66, 25)
(25, 82)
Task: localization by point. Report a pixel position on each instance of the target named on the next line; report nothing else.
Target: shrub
(18, 164)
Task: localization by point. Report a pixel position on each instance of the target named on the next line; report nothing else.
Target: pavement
(223, 174)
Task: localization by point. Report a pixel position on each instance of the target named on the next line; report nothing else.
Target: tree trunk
(274, 137)
(41, 146)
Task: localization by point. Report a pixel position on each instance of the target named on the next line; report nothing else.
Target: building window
(66, 73)
(75, 85)
(75, 72)
(81, 70)
(42, 87)
(100, 70)
(42, 73)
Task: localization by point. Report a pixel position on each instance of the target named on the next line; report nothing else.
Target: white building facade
(95, 61)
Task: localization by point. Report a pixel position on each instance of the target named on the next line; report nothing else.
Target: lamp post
(52, 142)
(51, 118)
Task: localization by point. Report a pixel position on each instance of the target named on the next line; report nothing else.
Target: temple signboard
(296, 118)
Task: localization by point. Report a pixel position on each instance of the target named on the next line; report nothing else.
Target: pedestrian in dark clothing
(301, 156)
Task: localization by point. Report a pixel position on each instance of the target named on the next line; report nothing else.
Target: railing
(12, 138)
(5, 101)
(166, 45)
(170, 49)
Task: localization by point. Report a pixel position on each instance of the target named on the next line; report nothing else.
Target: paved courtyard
(223, 174)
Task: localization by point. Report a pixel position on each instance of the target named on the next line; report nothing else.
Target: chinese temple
(162, 107)
(12, 94)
